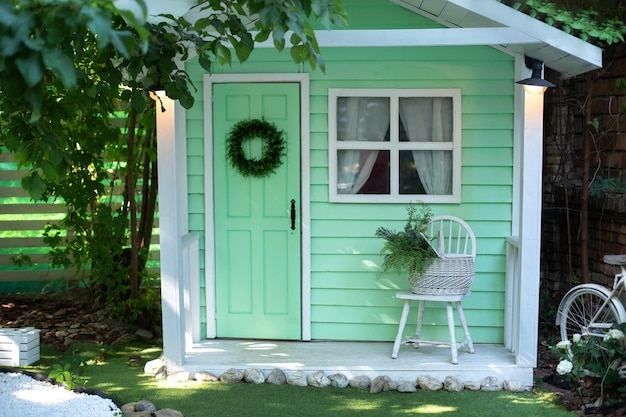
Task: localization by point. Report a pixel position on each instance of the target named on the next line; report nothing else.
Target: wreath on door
(273, 147)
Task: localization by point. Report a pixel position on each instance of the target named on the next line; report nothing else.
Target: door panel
(257, 255)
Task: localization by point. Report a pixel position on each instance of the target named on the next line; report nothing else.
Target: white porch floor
(356, 358)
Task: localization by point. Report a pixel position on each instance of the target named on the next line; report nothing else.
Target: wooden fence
(22, 223)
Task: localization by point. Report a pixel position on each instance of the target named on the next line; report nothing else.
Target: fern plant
(408, 250)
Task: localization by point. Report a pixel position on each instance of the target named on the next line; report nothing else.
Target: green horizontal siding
(350, 298)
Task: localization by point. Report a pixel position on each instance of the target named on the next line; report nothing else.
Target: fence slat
(20, 223)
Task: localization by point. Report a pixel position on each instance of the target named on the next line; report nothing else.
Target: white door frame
(305, 190)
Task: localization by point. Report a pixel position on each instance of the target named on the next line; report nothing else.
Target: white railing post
(512, 314)
(191, 288)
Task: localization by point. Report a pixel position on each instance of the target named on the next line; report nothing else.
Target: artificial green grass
(106, 368)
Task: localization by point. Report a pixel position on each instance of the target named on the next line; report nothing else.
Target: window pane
(362, 118)
(409, 179)
(433, 169)
(362, 172)
(426, 119)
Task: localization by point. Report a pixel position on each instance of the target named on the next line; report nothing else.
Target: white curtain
(429, 119)
(359, 119)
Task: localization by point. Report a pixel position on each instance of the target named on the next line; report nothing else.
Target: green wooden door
(257, 254)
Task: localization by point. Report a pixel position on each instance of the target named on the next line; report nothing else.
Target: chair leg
(418, 326)
(468, 338)
(453, 349)
(405, 315)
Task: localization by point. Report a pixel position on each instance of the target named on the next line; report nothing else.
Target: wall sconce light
(535, 84)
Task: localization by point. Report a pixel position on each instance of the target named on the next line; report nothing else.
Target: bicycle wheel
(580, 306)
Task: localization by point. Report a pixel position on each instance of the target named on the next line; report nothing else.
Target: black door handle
(293, 214)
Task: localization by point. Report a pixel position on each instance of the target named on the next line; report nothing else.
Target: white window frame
(394, 145)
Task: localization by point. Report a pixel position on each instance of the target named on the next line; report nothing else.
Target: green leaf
(61, 65)
(299, 53)
(31, 69)
(138, 101)
(34, 185)
(242, 51)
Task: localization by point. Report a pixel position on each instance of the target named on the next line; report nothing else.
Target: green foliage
(408, 250)
(602, 360)
(68, 66)
(601, 186)
(63, 373)
(273, 147)
(587, 23)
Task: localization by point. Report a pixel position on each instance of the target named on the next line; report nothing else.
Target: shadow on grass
(107, 369)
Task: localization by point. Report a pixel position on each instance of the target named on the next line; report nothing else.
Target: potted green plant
(408, 250)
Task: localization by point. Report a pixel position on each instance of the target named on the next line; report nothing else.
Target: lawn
(106, 368)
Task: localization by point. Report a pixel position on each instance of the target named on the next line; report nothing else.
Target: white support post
(530, 229)
(171, 211)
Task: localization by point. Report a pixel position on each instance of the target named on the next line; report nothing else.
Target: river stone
(138, 414)
(205, 376)
(254, 376)
(514, 386)
(145, 405)
(151, 367)
(232, 376)
(161, 373)
(490, 383)
(429, 383)
(338, 380)
(168, 412)
(382, 383)
(407, 387)
(453, 384)
(298, 379)
(360, 382)
(472, 385)
(318, 379)
(181, 376)
(277, 377)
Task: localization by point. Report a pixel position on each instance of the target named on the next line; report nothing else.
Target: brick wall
(563, 169)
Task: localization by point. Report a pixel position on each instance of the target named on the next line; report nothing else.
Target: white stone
(514, 386)
(490, 383)
(338, 380)
(277, 377)
(205, 376)
(254, 376)
(151, 367)
(407, 387)
(472, 385)
(298, 378)
(318, 379)
(180, 376)
(429, 383)
(453, 384)
(382, 383)
(232, 376)
(360, 382)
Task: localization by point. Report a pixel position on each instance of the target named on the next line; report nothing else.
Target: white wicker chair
(446, 280)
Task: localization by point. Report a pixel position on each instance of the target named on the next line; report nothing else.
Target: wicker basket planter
(447, 275)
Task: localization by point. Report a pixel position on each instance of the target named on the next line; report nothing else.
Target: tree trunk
(133, 275)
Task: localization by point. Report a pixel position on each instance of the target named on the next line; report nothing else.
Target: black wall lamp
(535, 84)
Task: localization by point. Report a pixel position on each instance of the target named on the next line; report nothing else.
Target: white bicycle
(592, 309)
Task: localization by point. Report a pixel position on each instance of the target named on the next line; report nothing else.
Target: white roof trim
(557, 49)
(416, 37)
(523, 23)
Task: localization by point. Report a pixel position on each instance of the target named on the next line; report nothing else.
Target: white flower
(576, 338)
(563, 345)
(564, 367)
(614, 334)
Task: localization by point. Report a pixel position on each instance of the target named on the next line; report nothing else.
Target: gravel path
(24, 396)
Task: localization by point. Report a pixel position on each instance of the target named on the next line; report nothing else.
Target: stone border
(319, 379)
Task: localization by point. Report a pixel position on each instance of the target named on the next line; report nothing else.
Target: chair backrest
(451, 236)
